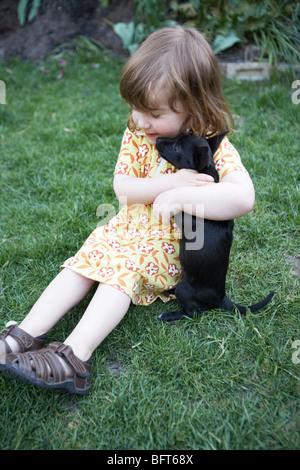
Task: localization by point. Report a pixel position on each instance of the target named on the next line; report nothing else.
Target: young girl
(172, 86)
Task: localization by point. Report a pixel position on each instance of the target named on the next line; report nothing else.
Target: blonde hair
(182, 60)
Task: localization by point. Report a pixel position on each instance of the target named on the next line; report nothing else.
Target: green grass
(218, 382)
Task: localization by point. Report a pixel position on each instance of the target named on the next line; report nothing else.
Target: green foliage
(222, 42)
(272, 24)
(149, 16)
(27, 9)
(281, 38)
(24, 6)
(131, 34)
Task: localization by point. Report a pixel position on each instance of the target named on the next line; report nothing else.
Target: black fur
(204, 270)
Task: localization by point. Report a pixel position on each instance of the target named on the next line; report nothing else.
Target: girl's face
(161, 121)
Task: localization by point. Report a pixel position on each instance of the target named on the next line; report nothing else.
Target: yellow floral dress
(134, 252)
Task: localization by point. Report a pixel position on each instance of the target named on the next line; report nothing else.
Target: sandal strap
(45, 365)
(55, 368)
(23, 359)
(79, 367)
(25, 340)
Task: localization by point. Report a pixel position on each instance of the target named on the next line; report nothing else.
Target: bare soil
(59, 21)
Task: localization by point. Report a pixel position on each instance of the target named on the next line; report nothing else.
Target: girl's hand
(186, 177)
(169, 203)
(166, 205)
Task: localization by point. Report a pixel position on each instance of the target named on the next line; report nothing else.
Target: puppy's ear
(215, 141)
(201, 156)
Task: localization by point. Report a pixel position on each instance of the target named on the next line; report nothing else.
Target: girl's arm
(233, 197)
(132, 190)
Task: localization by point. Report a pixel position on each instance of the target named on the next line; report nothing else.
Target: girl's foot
(13, 339)
(54, 367)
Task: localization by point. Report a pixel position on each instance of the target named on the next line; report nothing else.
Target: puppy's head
(189, 151)
(184, 151)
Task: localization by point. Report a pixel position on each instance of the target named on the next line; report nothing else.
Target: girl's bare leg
(106, 309)
(64, 292)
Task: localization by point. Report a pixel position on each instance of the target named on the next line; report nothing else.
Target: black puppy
(204, 270)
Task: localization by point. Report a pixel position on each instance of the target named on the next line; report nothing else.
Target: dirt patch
(58, 22)
(115, 367)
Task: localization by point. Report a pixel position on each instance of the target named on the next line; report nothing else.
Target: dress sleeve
(227, 159)
(128, 161)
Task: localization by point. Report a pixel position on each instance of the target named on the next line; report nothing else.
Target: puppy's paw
(171, 316)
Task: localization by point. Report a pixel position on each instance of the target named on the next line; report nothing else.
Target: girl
(172, 86)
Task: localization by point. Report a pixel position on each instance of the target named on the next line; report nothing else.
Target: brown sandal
(25, 341)
(44, 369)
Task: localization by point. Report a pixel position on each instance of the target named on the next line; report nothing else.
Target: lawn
(221, 381)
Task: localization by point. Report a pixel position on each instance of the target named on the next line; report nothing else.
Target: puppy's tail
(227, 304)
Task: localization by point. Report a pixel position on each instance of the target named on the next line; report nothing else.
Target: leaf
(126, 32)
(22, 6)
(131, 35)
(225, 42)
(34, 9)
(132, 48)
